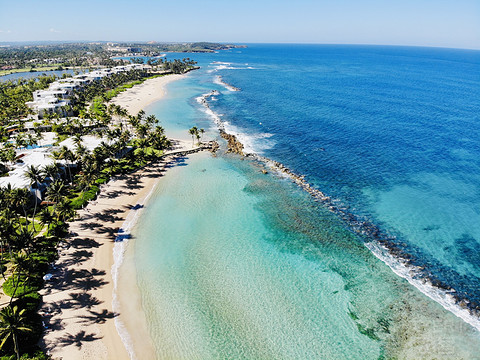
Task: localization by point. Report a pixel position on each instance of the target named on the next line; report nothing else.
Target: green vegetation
(153, 49)
(110, 94)
(29, 229)
(87, 103)
(14, 94)
(104, 90)
(196, 133)
(26, 252)
(33, 57)
(40, 57)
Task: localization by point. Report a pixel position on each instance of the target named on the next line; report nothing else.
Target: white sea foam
(218, 65)
(411, 274)
(253, 143)
(119, 248)
(224, 67)
(219, 80)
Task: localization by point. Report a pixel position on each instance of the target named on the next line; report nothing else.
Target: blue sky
(446, 23)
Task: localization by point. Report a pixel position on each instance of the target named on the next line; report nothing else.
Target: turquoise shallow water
(232, 263)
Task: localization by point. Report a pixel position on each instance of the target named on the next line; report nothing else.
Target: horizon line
(26, 42)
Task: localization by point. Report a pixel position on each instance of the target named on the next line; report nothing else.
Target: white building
(50, 104)
(59, 92)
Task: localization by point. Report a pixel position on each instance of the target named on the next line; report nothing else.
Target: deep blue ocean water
(391, 132)
(233, 263)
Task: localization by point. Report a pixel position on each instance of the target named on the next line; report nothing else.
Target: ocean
(235, 263)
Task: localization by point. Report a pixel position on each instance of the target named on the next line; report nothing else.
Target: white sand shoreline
(78, 303)
(119, 249)
(140, 96)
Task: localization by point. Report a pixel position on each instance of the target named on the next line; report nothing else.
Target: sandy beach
(77, 309)
(138, 97)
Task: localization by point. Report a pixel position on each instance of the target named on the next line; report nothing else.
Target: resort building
(49, 103)
(16, 176)
(41, 156)
(56, 97)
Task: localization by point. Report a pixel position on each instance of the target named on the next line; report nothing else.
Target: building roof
(16, 177)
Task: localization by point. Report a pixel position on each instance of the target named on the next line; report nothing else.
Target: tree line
(31, 229)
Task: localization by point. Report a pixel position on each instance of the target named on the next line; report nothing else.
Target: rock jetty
(233, 146)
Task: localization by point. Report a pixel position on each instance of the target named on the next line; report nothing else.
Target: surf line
(219, 80)
(124, 236)
(385, 247)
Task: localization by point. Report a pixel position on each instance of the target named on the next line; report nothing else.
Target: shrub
(101, 180)
(30, 301)
(11, 287)
(58, 229)
(78, 203)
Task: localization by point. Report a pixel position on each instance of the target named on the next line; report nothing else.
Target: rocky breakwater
(393, 246)
(233, 145)
(365, 228)
(212, 146)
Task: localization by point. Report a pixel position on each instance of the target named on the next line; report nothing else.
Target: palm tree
(125, 137)
(83, 114)
(64, 210)
(142, 130)
(157, 139)
(35, 175)
(51, 170)
(38, 133)
(77, 139)
(56, 191)
(87, 177)
(133, 121)
(122, 112)
(80, 152)
(24, 239)
(141, 116)
(142, 143)
(10, 155)
(66, 154)
(113, 134)
(12, 324)
(20, 200)
(8, 230)
(194, 132)
(141, 155)
(202, 131)
(46, 217)
(151, 120)
(31, 140)
(22, 268)
(21, 141)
